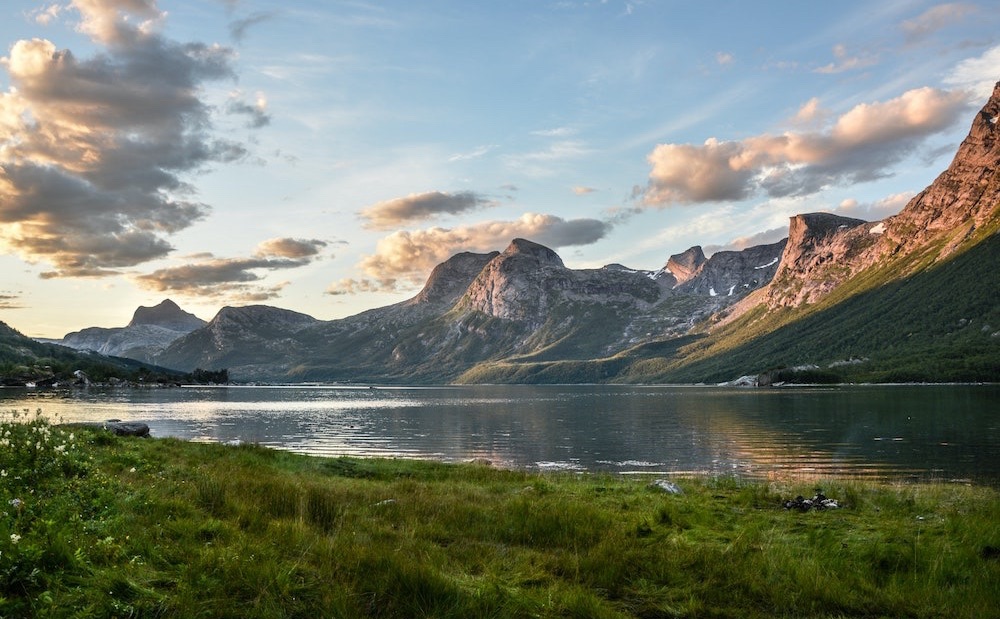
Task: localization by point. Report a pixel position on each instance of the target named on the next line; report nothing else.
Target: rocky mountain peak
(685, 265)
(167, 315)
(817, 257)
(963, 197)
(451, 278)
(509, 286)
(734, 273)
(541, 253)
(808, 230)
(825, 250)
(151, 330)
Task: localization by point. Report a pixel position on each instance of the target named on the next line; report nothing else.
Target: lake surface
(886, 432)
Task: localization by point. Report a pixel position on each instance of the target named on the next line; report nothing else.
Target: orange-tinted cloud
(403, 259)
(394, 213)
(234, 279)
(861, 145)
(934, 19)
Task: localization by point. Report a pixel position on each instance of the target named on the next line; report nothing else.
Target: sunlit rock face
(684, 266)
(963, 197)
(825, 250)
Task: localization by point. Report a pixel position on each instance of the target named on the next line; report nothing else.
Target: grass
(97, 525)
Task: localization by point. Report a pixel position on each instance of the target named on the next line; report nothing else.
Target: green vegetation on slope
(938, 324)
(909, 320)
(25, 360)
(96, 525)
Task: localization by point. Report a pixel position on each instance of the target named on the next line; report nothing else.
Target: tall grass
(112, 526)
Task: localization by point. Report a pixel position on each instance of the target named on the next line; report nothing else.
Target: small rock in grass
(667, 486)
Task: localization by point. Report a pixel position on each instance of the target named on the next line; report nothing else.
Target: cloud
(473, 154)
(295, 249)
(10, 300)
(421, 206)
(556, 132)
(94, 151)
(255, 112)
(582, 191)
(977, 75)
(875, 211)
(112, 21)
(845, 62)
(861, 145)
(935, 18)
(540, 163)
(238, 28)
(724, 58)
(810, 112)
(45, 15)
(740, 243)
(689, 173)
(404, 258)
(234, 278)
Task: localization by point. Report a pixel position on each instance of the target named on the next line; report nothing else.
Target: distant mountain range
(151, 330)
(911, 298)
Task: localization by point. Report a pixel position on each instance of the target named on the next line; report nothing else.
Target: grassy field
(93, 525)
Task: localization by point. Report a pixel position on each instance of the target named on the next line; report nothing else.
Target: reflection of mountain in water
(925, 432)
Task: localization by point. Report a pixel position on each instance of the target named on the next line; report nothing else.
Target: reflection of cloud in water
(942, 431)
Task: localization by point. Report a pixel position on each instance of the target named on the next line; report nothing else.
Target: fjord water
(905, 432)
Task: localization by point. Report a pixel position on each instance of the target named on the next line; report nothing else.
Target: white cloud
(977, 75)
(845, 62)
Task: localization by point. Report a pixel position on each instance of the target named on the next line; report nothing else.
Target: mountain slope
(913, 297)
(149, 332)
(24, 361)
(910, 297)
(249, 336)
(898, 288)
(522, 303)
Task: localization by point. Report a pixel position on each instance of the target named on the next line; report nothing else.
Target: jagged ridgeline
(911, 298)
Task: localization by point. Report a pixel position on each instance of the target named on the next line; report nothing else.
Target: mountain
(244, 337)
(910, 298)
(521, 304)
(149, 332)
(24, 361)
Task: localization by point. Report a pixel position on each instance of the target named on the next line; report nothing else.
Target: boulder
(119, 427)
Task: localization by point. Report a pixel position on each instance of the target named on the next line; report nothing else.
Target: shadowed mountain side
(149, 332)
(939, 325)
(24, 361)
(913, 296)
(519, 304)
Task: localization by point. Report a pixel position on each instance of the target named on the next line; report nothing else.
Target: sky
(324, 156)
